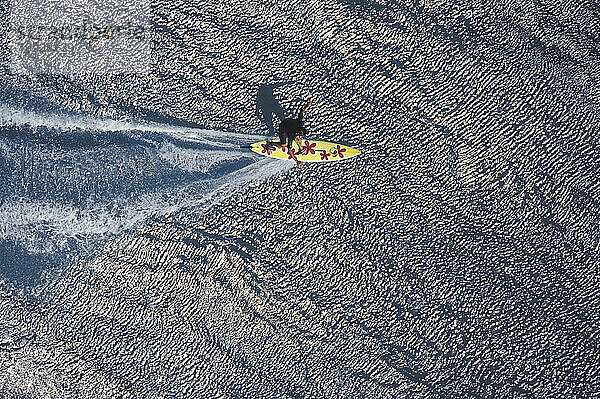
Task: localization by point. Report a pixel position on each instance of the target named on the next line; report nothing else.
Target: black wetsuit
(291, 128)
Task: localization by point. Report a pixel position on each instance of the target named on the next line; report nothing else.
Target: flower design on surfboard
(312, 151)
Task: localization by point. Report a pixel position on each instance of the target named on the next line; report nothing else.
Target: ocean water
(145, 254)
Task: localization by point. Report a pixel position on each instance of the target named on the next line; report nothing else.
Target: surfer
(290, 130)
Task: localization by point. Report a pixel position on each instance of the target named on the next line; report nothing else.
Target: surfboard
(316, 151)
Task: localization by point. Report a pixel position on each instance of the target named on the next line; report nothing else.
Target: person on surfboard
(290, 130)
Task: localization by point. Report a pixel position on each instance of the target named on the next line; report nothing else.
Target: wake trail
(14, 117)
(71, 193)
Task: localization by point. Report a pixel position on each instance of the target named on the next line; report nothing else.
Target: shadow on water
(267, 105)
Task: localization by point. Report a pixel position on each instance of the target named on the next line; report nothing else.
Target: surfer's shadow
(267, 106)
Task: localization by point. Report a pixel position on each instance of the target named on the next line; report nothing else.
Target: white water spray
(99, 193)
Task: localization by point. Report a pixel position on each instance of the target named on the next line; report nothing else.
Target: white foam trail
(19, 117)
(44, 227)
(259, 171)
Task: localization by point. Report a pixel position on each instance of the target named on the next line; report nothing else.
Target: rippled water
(143, 253)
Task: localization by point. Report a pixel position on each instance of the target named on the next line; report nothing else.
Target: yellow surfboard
(316, 151)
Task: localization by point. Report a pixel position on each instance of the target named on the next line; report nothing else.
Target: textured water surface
(144, 254)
